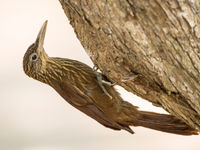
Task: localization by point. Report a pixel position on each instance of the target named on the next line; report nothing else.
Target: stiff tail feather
(164, 122)
(156, 121)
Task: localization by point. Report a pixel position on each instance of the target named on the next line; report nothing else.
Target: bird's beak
(40, 38)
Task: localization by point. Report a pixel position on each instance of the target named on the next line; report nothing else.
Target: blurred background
(33, 116)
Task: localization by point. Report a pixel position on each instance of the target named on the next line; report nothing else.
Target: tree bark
(159, 40)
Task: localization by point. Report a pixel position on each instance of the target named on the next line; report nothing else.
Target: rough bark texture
(157, 39)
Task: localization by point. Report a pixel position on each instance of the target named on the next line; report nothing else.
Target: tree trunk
(159, 40)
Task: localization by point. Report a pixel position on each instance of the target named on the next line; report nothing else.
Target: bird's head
(34, 61)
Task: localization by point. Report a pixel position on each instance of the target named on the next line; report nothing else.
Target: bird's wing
(77, 98)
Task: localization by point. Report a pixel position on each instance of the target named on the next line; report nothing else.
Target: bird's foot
(101, 81)
(108, 83)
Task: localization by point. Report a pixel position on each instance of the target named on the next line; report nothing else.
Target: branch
(154, 39)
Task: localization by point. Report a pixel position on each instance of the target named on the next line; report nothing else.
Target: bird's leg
(101, 81)
(108, 83)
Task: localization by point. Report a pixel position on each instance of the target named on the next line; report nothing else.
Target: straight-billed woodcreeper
(77, 83)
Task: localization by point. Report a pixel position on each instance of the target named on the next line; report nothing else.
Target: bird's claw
(128, 78)
(108, 83)
(101, 81)
(95, 69)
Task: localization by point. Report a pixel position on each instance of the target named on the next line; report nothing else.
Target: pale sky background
(33, 116)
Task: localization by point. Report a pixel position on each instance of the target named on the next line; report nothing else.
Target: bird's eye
(33, 57)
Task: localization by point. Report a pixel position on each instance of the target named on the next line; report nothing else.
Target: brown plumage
(77, 84)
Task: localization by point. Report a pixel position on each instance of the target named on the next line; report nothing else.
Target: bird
(77, 83)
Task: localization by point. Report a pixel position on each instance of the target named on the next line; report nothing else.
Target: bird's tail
(165, 123)
(156, 121)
